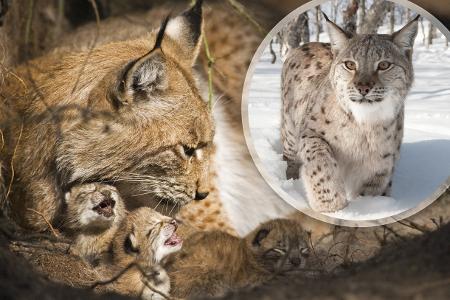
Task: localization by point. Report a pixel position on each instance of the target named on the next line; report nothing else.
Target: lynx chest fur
(342, 119)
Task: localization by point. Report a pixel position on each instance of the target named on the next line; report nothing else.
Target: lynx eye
(384, 65)
(350, 65)
(188, 151)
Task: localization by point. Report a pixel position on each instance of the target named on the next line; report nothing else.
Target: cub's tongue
(174, 240)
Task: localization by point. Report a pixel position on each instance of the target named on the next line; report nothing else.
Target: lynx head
(146, 237)
(155, 138)
(280, 245)
(93, 207)
(372, 73)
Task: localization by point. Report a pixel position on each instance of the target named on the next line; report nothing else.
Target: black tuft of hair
(160, 36)
(325, 16)
(194, 19)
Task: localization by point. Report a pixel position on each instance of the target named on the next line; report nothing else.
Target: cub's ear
(186, 31)
(260, 236)
(404, 38)
(338, 36)
(131, 244)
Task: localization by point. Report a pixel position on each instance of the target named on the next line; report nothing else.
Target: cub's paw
(328, 202)
(292, 170)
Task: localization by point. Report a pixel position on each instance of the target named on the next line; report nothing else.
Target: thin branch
(122, 272)
(12, 164)
(241, 10)
(46, 221)
(94, 43)
(211, 62)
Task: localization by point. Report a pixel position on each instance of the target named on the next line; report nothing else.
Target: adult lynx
(343, 106)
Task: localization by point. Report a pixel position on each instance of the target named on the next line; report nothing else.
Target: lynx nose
(201, 195)
(364, 88)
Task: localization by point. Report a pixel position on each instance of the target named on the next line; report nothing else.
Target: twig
(2, 139)
(122, 272)
(46, 221)
(12, 164)
(393, 232)
(211, 62)
(94, 42)
(413, 225)
(241, 10)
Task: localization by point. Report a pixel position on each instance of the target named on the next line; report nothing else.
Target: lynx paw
(328, 202)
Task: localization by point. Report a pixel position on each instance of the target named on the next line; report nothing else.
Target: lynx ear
(404, 38)
(338, 37)
(186, 31)
(131, 243)
(260, 235)
(144, 76)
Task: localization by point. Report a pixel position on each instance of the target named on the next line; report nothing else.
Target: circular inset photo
(346, 110)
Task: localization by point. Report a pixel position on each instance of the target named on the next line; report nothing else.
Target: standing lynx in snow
(343, 107)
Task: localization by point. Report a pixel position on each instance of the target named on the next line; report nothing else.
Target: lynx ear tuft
(160, 35)
(338, 37)
(404, 38)
(186, 31)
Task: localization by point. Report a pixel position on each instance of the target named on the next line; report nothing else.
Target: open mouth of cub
(173, 240)
(105, 208)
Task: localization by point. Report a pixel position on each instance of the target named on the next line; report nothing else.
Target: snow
(424, 165)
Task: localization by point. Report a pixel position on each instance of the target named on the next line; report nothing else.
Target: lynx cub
(343, 107)
(94, 213)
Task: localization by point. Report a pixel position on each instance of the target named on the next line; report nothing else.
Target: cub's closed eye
(188, 151)
(384, 65)
(350, 65)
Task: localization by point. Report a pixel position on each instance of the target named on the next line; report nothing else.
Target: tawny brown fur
(93, 232)
(213, 262)
(138, 245)
(138, 146)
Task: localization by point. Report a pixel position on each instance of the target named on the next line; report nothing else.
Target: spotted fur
(342, 127)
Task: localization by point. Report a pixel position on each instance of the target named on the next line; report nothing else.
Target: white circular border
(260, 166)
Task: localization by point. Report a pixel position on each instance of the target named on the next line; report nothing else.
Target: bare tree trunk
(401, 13)
(274, 55)
(362, 13)
(350, 15)
(334, 9)
(430, 35)
(375, 16)
(294, 33)
(423, 30)
(392, 18)
(303, 22)
(318, 24)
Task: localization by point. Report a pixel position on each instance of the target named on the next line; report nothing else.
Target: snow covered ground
(424, 165)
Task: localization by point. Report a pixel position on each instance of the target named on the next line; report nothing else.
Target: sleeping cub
(212, 263)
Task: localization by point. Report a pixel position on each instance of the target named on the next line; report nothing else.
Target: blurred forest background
(360, 16)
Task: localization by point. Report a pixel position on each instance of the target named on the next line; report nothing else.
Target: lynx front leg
(324, 187)
(379, 184)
